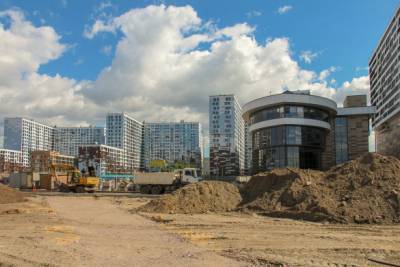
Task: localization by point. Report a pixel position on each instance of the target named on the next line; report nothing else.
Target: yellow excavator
(75, 181)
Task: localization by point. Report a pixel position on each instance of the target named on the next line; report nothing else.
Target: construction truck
(164, 182)
(75, 181)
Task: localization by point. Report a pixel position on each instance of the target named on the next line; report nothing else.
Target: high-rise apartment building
(126, 133)
(173, 142)
(68, 139)
(227, 149)
(384, 73)
(27, 135)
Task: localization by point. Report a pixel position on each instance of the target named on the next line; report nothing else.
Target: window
(289, 111)
(293, 146)
(293, 157)
(341, 146)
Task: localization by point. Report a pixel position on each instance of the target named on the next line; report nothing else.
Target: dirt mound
(9, 195)
(213, 196)
(365, 190)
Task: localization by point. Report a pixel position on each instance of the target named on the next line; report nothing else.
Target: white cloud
(358, 69)
(98, 26)
(253, 13)
(356, 86)
(79, 61)
(103, 5)
(25, 92)
(106, 50)
(284, 9)
(166, 64)
(159, 65)
(326, 73)
(308, 56)
(24, 47)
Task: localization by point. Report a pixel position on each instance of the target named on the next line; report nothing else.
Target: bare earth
(93, 232)
(88, 231)
(263, 241)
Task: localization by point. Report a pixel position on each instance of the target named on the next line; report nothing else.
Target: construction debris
(202, 197)
(9, 195)
(365, 190)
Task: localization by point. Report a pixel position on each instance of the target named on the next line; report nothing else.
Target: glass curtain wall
(341, 146)
(289, 111)
(288, 146)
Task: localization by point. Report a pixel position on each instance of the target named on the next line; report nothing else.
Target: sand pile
(9, 195)
(365, 190)
(205, 196)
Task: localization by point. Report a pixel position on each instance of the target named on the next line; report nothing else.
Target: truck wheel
(145, 189)
(64, 188)
(79, 189)
(156, 190)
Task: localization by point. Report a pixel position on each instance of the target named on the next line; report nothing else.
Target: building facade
(126, 133)
(205, 171)
(226, 133)
(68, 139)
(106, 161)
(247, 150)
(297, 129)
(27, 135)
(44, 161)
(10, 160)
(173, 142)
(384, 73)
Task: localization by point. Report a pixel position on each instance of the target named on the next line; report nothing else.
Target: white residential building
(227, 148)
(126, 133)
(27, 135)
(384, 73)
(68, 139)
(173, 142)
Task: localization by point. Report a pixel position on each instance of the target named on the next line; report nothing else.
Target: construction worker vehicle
(75, 181)
(164, 182)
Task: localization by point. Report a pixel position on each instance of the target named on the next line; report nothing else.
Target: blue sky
(343, 33)
(69, 62)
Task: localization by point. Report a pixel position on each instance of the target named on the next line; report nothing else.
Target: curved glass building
(297, 129)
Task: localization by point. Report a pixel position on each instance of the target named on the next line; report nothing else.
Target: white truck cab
(188, 175)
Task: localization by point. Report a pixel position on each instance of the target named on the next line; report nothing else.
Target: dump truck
(75, 182)
(164, 182)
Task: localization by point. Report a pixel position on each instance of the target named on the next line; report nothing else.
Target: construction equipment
(76, 181)
(163, 182)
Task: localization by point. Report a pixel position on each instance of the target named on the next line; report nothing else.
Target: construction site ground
(107, 231)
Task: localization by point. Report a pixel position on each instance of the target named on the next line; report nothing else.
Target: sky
(69, 62)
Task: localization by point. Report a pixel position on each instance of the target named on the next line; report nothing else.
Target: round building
(292, 129)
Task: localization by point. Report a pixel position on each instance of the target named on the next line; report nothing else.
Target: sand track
(94, 232)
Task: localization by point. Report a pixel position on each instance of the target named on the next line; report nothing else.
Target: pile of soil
(205, 196)
(365, 190)
(9, 195)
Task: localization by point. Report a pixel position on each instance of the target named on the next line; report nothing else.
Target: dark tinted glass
(289, 111)
(292, 146)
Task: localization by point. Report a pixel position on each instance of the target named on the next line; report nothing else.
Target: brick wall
(357, 135)
(388, 137)
(328, 156)
(355, 101)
